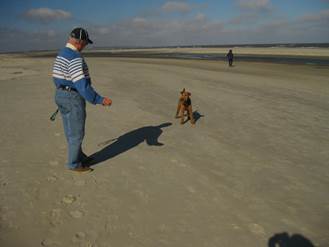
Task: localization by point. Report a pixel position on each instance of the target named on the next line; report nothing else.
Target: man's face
(82, 44)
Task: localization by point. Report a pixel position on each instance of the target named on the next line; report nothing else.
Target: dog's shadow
(123, 143)
(196, 116)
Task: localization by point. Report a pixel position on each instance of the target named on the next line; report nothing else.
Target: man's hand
(107, 101)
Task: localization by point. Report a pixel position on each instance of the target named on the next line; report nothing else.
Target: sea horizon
(220, 55)
(237, 45)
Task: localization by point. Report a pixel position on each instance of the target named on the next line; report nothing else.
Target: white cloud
(156, 32)
(198, 29)
(11, 39)
(309, 28)
(173, 6)
(102, 30)
(249, 27)
(46, 15)
(139, 22)
(321, 16)
(248, 18)
(200, 17)
(254, 4)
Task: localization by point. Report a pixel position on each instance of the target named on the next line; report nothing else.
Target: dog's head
(185, 94)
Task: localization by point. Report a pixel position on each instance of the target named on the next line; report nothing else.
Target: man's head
(79, 38)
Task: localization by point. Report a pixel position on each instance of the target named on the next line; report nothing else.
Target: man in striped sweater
(73, 88)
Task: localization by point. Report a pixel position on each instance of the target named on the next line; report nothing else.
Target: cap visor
(90, 42)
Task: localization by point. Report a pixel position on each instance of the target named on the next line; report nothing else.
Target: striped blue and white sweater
(71, 70)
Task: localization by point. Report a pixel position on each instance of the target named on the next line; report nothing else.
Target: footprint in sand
(80, 182)
(190, 189)
(142, 196)
(49, 243)
(89, 244)
(76, 214)
(182, 165)
(52, 179)
(57, 134)
(79, 236)
(235, 226)
(256, 229)
(69, 199)
(3, 181)
(56, 217)
(54, 163)
(163, 228)
(17, 72)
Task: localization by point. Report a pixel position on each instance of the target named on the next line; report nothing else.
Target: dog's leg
(181, 114)
(178, 108)
(190, 114)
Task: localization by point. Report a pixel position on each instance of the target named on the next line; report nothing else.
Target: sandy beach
(255, 165)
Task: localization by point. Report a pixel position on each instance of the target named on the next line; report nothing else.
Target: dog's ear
(183, 90)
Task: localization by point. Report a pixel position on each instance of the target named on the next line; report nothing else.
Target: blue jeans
(73, 110)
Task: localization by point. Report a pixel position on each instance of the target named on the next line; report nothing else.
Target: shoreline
(307, 56)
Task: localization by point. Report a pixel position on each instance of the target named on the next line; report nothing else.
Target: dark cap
(81, 34)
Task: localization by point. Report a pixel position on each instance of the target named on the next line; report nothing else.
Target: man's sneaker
(82, 169)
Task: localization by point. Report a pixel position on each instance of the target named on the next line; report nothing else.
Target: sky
(42, 24)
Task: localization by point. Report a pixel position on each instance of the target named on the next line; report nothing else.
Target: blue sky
(43, 24)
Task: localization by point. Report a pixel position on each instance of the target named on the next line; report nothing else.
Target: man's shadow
(284, 240)
(123, 143)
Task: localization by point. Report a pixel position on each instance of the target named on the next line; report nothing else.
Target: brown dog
(185, 105)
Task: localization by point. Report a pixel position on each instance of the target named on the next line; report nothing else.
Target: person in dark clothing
(230, 58)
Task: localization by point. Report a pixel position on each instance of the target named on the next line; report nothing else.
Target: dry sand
(255, 164)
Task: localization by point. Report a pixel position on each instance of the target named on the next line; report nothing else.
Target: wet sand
(271, 51)
(255, 164)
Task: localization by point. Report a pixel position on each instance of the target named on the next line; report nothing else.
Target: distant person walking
(73, 88)
(230, 58)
